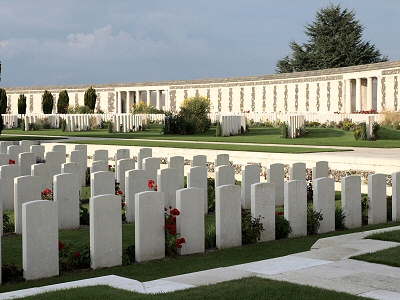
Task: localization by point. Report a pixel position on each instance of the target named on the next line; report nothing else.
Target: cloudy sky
(67, 42)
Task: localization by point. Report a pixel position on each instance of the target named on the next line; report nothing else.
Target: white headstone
(351, 201)
(190, 223)
(197, 178)
(151, 165)
(100, 154)
(38, 150)
(263, 207)
(298, 171)
(143, 153)
(221, 160)
(26, 145)
(396, 196)
(250, 175)
(45, 172)
(80, 157)
(199, 161)
(123, 165)
(39, 239)
(295, 202)
(177, 162)
(26, 160)
(167, 184)
(149, 226)
(105, 231)
(136, 181)
(324, 202)
(4, 159)
(377, 208)
(98, 165)
(7, 175)
(276, 175)
(228, 220)
(102, 183)
(13, 151)
(224, 175)
(63, 150)
(321, 169)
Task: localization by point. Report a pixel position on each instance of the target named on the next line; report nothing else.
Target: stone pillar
(348, 97)
(118, 103)
(148, 97)
(370, 89)
(358, 94)
(127, 102)
(158, 98)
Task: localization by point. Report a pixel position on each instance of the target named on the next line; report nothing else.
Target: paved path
(326, 265)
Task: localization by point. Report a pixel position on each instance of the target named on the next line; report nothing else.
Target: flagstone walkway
(327, 265)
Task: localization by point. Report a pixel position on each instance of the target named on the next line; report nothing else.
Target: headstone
(39, 239)
(26, 188)
(102, 183)
(298, 171)
(351, 201)
(45, 172)
(324, 202)
(7, 175)
(98, 165)
(167, 184)
(26, 160)
(263, 207)
(178, 162)
(190, 223)
(222, 160)
(224, 175)
(143, 154)
(63, 150)
(276, 175)
(66, 193)
(4, 145)
(74, 168)
(151, 165)
(55, 158)
(199, 161)
(396, 196)
(4, 159)
(250, 175)
(377, 208)
(149, 226)
(105, 231)
(121, 154)
(123, 165)
(136, 181)
(100, 154)
(197, 178)
(26, 145)
(321, 169)
(38, 150)
(228, 216)
(80, 157)
(13, 151)
(295, 202)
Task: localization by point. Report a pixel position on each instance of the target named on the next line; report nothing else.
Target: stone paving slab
(381, 295)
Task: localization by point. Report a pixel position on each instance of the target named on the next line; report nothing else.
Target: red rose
(120, 192)
(183, 240)
(122, 205)
(172, 231)
(60, 245)
(175, 212)
(150, 183)
(77, 254)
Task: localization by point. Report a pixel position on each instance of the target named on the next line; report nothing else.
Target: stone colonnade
(125, 98)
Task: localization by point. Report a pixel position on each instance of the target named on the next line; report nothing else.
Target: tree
(1, 123)
(3, 101)
(47, 102)
(22, 104)
(334, 41)
(90, 98)
(63, 102)
(194, 111)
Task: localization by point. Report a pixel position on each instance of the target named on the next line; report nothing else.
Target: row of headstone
(232, 124)
(127, 122)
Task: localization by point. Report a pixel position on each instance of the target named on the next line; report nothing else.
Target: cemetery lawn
(246, 288)
(390, 257)
(12, 253)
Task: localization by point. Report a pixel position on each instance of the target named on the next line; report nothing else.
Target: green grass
(390, 257)
(246, 288)
(12, 252)
(389, 137)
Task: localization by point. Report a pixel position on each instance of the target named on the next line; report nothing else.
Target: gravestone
(39, 239)
(13, 152)
(190, 223)
(197, 178)
(324, 202)
(4, 145)
(102, 183)
(276, 175)
(26, 145)
(199, 161)
(298, 171)
(143, 154)
(222, 160)
(351, 201)
(377, 199)
(4, 159)
(98, 165)
(45, 172)
(66, 194)
(149, 226)
(263, 207)
(26, 160)
(396, 196)
(122, 154)
(7, 175)
(80, 157)
(38, 150)
(250, 175)
(63, 150)
(224, 175)
(136, 181)
(26, 188)
(100, 154)
(228, 216)
(74, 168)
(123, 165)
(151, 165)
(105, 231)
(167, 184)
(295, 202)
(320, 170)
(55, 158)
(178, 162)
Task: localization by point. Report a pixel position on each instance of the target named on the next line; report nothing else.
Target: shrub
(218, 129)
(89, 99)
(44, 123)
(284, 130)
(47, 102)
(110, 127)
(22, 104)
(363, 127)
(84, 110)
(389, 208)
(1, 123)
(63, 125)
(282, 226)
(210, 235)
(340, 217)
(211, 194)
(364, 210)
(70, 258)
(3, 101)
(8, 225)
(251, 227)
(375, 131)
(143, 108)
(173, 241)
(63, 102)
(348, 125)
(314, 219)
(128, 255)
(11, 273)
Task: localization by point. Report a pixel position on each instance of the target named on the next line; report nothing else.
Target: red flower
(167, 226)
(150, 183)
(77, 254)
(11, 162)
(120, 192)
(156, 188)
(60, 245)
(279, 213)
(172, 231)
(178, 244)
(165, 209)
(122, 205)
(183, 240)
(175, 212)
